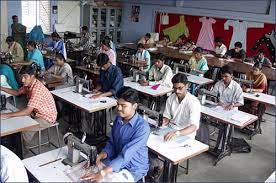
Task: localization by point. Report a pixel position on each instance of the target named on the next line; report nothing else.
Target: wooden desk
(174, 152)
(136, 65)
(91, 71)
(96, 113)
(11, 129)
(262, 98)
(197, 79)
(212, 61)
(83, 103)
(227, 128)
(161, 90)
(51, 82)
(17, 124)
(53, 172)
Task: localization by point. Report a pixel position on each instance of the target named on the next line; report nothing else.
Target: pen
(49, 162)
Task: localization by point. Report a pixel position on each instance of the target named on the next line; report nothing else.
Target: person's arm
(267, 63)
(138, 140)
(167, 116)
(238, 99)
(185, 131)
(194, 118)
(10, 91)
(25, 112)
(167, 77)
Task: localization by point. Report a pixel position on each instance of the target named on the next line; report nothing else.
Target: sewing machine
(245, 82)
(84, 85)
(75, 146)
(137, 73)
(207, 97)
(6, 57)
(146, 112)
(3, 102)
(183, 65)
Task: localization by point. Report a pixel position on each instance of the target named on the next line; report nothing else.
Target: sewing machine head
(244, 82)
(148, 113)
(185, 66)
(207, 97)
(137, 73)
(75, 146)
(82, 84)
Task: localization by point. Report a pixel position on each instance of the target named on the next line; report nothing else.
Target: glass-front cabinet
(104, 21)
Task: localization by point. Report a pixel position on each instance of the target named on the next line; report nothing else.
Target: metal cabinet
(103, 21)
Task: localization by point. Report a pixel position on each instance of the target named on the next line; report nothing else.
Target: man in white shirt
(228, 91)
(159, 72)
(147, 39)
(12, 168)
(182, 111)
(220, 49)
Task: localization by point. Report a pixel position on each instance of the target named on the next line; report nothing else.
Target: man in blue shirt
(111, 78)
(125, 155)
(7, 71)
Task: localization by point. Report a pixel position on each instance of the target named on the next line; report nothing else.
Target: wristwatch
(102, 172)
(177, 133)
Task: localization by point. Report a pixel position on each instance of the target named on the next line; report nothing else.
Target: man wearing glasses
(182, 111)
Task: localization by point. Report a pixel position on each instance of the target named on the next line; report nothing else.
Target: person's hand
(229, 107)
(92, 177)
(96, 96)
(45, 73)
(143, 83)
(4, 116)
(247, 90)
(169, 136)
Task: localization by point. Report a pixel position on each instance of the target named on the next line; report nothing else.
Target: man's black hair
(128, 94)
(180, 78)
(226, 70)
(102, 59)
(238, 44)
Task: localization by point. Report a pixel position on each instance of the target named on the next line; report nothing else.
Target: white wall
(4, 25)
(69, 15)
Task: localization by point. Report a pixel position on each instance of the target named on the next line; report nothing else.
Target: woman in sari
(259, 86)
(259, 78)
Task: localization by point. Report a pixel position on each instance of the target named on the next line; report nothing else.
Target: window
(36, 13)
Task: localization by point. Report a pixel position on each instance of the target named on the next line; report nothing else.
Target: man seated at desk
(198, 63)
(220, 49)
(182, 110)
(189, 45)
(229, 92)
(166, 41)
(86, 41)
(15, 49)
(41, 105)
(35, 55)
(260, 58)
(61, 70)
(125, 156)
(147, 39)
(110, 79)
(159, 72)
(106, 48)
(143, 56)
(237, 53)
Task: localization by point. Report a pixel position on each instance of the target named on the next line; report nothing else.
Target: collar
(230, 86)
(132, 121)
(162, 70)
(185, 98)
(32, 85)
